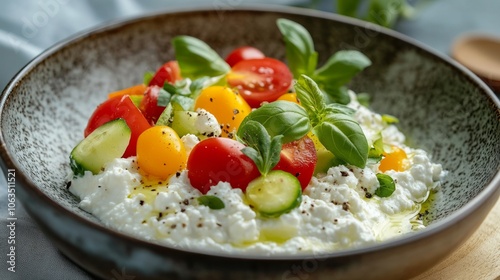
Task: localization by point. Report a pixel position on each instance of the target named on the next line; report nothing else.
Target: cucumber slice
(274, 194)
(165, 118)
(105, 143)
(183, 122)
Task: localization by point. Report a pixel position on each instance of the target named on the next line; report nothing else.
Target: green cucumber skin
(81, 160)
(184, 122)
(279, 209)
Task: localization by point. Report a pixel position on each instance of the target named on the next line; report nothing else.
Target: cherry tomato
(299, 158)
(395, 160)
(119, 107)
(149, 104)
(160, 152)
(260, 80)
(228, 107)
(215, 160)
(292, 97)
(168, 72)
(243, 53)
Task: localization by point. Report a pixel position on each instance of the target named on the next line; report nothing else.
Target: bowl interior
(440, 109)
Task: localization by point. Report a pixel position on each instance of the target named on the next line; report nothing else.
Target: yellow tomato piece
(160, 152)
(292, 97)
(228, 107)
(133, 90)
(396, 160)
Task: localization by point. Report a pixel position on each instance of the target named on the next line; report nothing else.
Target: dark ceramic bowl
(443, 109)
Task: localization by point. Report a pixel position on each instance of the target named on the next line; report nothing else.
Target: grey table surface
(28, 27)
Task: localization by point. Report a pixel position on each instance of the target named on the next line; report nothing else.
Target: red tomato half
(149, 104)
(168, 72)
(260, 80)
(215, 160)
(299, 158)
(119, 107)
(243, 53)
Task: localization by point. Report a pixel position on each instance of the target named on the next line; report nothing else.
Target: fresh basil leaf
(388, 119)
(299, 48)
(343, 136)
(199, 84)
(261, 148)
(180, 87)
(212, 201)
(336, 95)
(311, 98)
(196, 59)
(377, 151)
(340, 68)
(148, 76)
(385, 12)
(170, 88)
(339, 108)
(187, 103)
(348, 7)
(387, 185)
(280, 118)
(164, 98)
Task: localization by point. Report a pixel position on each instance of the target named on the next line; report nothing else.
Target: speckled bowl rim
(492, 189)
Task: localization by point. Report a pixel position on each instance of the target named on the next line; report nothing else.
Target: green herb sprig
(381, 12)
(331, 123)
(263, 149)
(197, 59)
(335, 128)
(302, 59)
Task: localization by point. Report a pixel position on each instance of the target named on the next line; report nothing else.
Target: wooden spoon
(481, 54)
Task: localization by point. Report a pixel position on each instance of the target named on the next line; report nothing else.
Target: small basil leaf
(281, 118)
(148, 76)
(343, 136)
(311, 98)
(376, 152)
(385, 12)
(196, 59)
(388, 119)
(170, 88)
(341, 68)
(299, 47)
(255, 156)
(387, 185)
(164, 98)
(187, 103)
(336, 95)
(348, 7)
(261, 148)
(339, 108)
(198, 84)
(211, 201)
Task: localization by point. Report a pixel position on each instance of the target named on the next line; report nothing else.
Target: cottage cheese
(338, 209)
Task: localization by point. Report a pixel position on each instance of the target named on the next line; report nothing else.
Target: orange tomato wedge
(292, 97)
(395, 160)
(133, 90)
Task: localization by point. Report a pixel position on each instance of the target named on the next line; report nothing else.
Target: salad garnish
(302, 59)
(264, 126)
